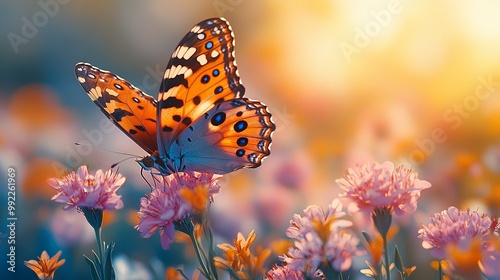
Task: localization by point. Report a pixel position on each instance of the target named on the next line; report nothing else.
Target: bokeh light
(413, 82)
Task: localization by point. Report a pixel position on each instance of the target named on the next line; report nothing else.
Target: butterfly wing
(233, 134)
(201, 74)
(130, 109)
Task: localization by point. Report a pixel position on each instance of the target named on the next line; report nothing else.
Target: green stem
(199, 253)
(386, 258)
(440, 270)
(183, 274)
(329, 272)
(97, 231)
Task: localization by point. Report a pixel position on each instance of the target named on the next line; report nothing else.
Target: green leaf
(398, 261)
(96, 258)
(97, 264)
(93, 269)
(109, 272)
(211, 253)
(367, 237)
(182, 273)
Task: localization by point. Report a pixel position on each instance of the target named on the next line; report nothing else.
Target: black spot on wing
(173, 82)
(240, 126)
(106, 98)
(240, 152)
(119, 114)
(172, 102)
(196, 100)
(242, 141)
(219, 101)
(218, 118)
(218, 89)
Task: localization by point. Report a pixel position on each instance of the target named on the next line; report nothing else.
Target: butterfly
(201, 121)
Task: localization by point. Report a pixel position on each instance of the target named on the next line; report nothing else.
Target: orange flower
(198, 197)
(175, 274)
(376, 247)
(444, 266)
(241, 260)
(45, 267)
(376, 250)
(280, 246)
(465, 258)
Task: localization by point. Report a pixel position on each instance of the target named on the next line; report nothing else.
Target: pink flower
(451, 226)
(375, 185)
(320, 237)
(158, 212)
(306, 255)
(314, 216)
(81, 189)
(284, 273)
(467, 240)
(164, 205)
(340, 249)
(308, 252)
(491, 257)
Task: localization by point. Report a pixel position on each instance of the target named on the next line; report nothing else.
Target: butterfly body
(201, 121)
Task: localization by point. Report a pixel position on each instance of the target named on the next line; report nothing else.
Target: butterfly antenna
(116, 163)
(107, 150)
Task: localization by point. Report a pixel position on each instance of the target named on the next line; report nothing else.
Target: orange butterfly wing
(234, 134)
(201, 121)
(130, 109)
(200, 74)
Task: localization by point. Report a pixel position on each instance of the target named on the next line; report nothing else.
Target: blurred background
(413, 82)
